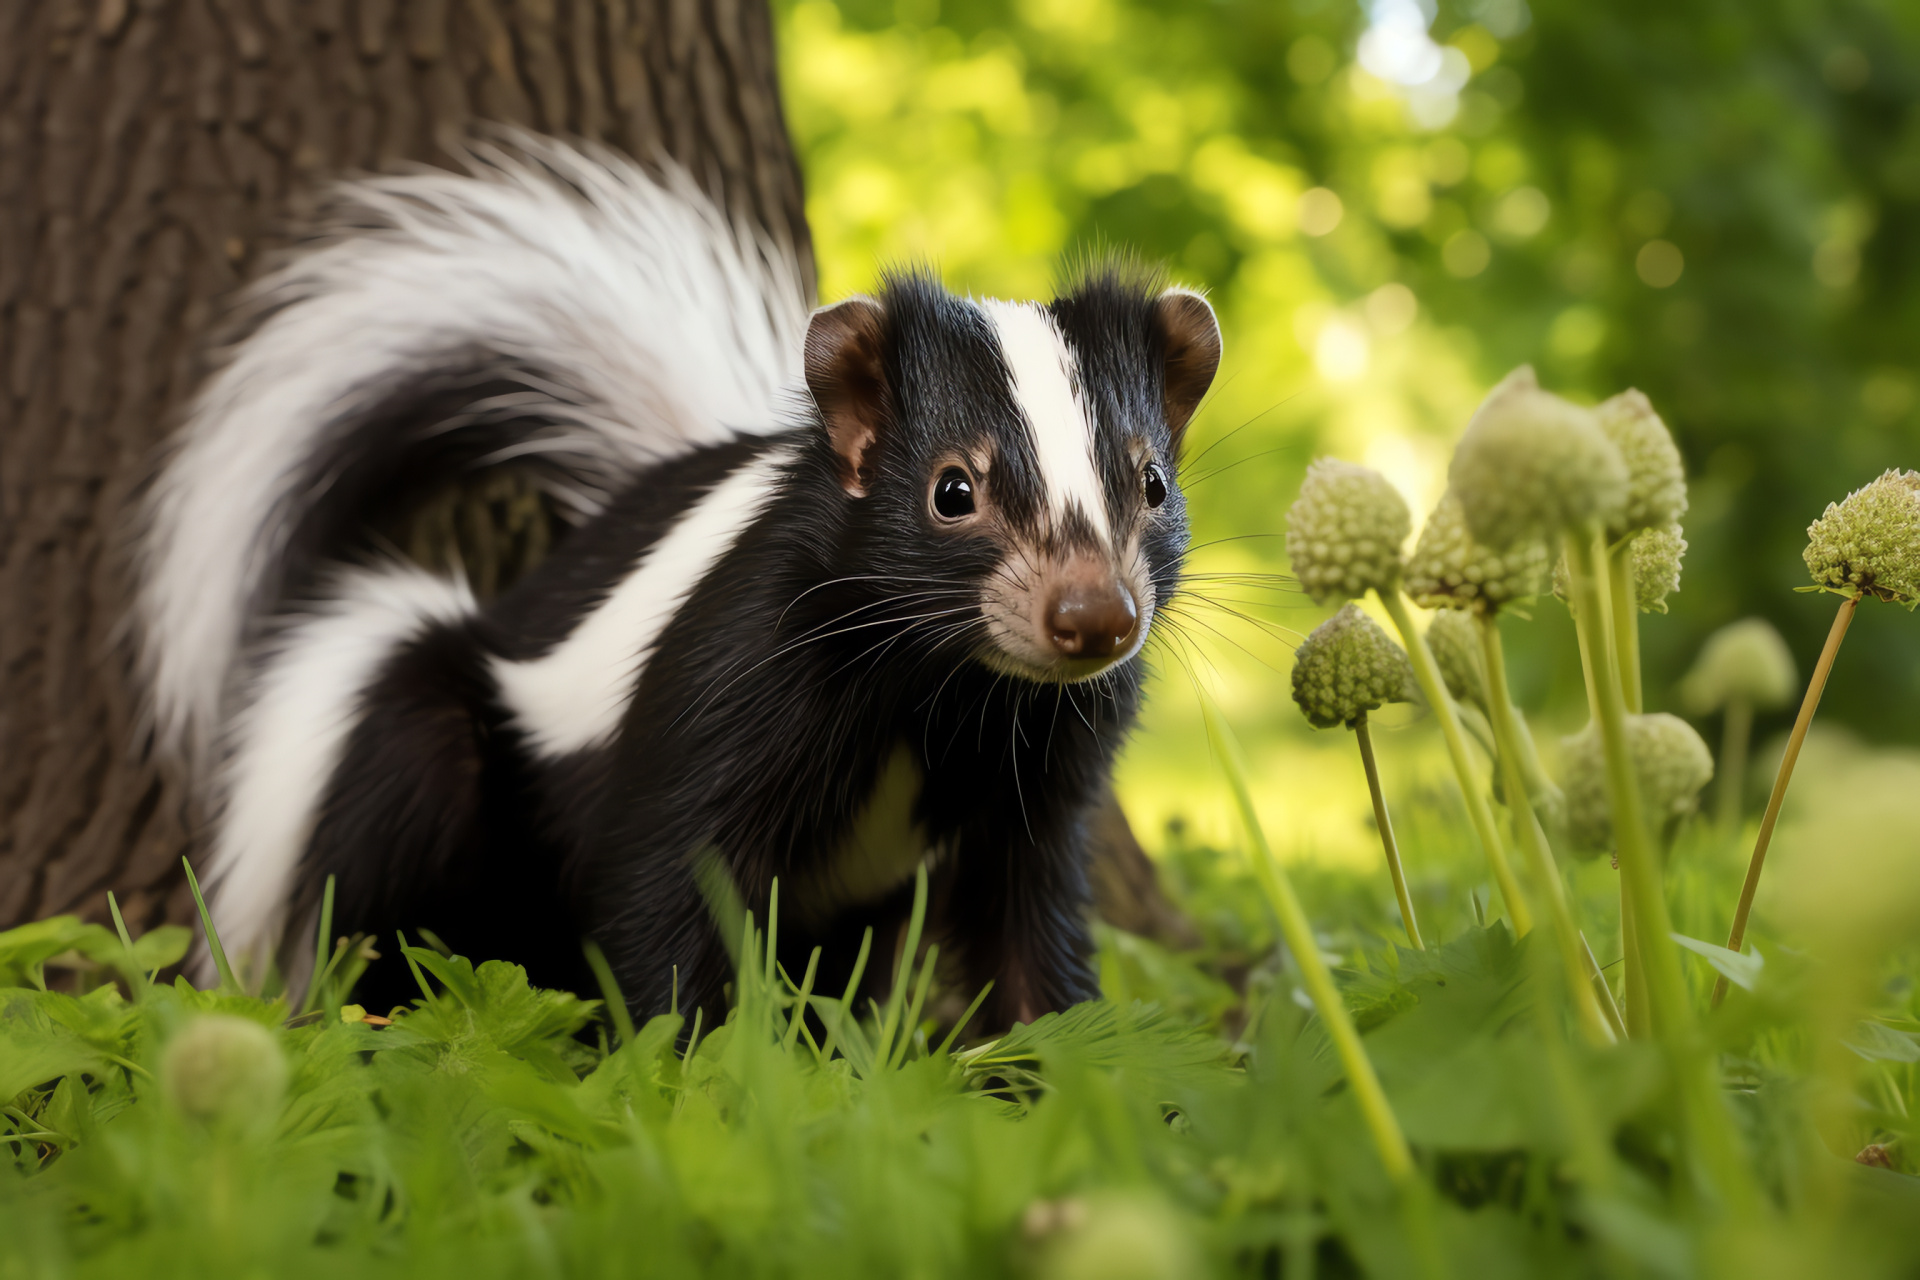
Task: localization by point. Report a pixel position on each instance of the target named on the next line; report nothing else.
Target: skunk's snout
(1091, 617)
(1065, 617)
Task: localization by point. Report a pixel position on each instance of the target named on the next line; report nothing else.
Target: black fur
(375, 462)
(836, 631)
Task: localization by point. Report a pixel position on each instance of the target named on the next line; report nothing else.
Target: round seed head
(1532, 464)
(1670, 761)
(1116, 1236)
(1345, 530)
(1583, 780)
(1656, 555)
(1346, 668)
(224, 1072)
(1450, 570)
(1869, 544)
(1744, 661)
(1656, 481)
(1456, 651)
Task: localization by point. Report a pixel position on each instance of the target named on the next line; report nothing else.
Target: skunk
(845, 593)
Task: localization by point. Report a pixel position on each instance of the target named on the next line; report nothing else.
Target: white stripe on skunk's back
(672, 327)
(290, 738)
(573, 696)
(1046, 386)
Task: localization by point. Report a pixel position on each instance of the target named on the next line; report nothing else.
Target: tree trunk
(152, 153)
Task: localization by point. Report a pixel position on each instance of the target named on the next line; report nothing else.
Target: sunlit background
(1392, 205)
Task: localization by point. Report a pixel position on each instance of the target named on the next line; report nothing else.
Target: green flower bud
(1744, 661)
(1670, 761)
(1346, 668)
(225, 1072)
(1454, 641)
(1656, 481)
(1344, 531)
(1869, 544)
(1532, 464)
(1656, 555)
(1449, 570)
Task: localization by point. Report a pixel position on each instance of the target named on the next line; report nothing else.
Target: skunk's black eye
(1153, 482)
(953, 494)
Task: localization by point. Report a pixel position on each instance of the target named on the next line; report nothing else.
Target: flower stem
(1533, 841)
(1639, 867)
(1382, 1125)
(1364, 736)
(1589, 634)
(1474, 721)
(1715, 1151)
(1478, 810)
(1601, 991)
(1387, 829)
(1541, 789)
(1633, 975)
(1808, 705)
(1593, 627)
(1625, 617)
(1734, 740)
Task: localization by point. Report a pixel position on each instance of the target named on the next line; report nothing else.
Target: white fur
(290, 737)
(1046, 386)
(573, 696)
(677, 327)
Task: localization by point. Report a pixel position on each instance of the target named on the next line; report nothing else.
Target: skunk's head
(1012, 468)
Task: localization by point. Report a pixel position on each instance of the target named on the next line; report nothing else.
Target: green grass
(1196, 1122)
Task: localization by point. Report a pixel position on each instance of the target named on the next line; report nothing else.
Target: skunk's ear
(847, 376)
(1192, 342)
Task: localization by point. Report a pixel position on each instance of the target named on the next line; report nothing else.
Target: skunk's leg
(400, 823)
(660, 936)
(1020, 910)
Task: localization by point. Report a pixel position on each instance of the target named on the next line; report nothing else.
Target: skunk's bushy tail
(553, 308)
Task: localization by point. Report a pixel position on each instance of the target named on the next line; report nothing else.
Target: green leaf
(495, 1006)
(455, 972)
(1879, 1043)
(24, 951)
(157, 948)
(1742, 971)
(36, 1048)
(1142, 1040)
(1657, 1243)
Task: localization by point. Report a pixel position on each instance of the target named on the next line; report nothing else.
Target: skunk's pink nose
(1091, 617)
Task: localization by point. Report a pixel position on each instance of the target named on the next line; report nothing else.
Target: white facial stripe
(1044, 388)
(290, 738)
(574, 696)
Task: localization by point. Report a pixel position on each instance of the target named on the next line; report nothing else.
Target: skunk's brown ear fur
(1192, 338)
(847, 376)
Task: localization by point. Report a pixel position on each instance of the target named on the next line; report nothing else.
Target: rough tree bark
(153, 153)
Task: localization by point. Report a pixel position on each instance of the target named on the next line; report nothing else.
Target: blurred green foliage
(1715, 201)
